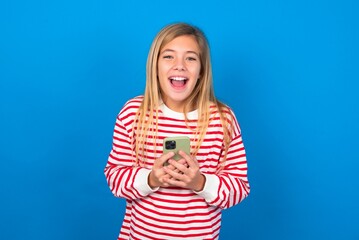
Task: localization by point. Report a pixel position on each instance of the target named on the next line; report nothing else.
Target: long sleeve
(124, 179)
(229, 186)
(173, 212)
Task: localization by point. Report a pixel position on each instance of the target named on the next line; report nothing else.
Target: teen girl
(184, 199)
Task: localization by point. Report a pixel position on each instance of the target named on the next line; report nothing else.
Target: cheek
(161, 72)
(197, 72)
(162, 80)
(197, 68)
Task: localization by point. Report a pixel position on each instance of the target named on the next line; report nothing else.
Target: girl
(184, 199)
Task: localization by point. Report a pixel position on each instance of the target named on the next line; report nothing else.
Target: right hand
(157, 177)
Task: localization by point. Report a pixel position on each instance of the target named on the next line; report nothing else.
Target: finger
(175, 169)
(173, 174)
(167, 176)
(172, 167)
(192, 162)
(175, 182)
(165, 182)
(184, 154)
(161, 160)
(180, 165)
(182, 161)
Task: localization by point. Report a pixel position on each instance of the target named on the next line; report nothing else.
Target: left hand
(189, 175)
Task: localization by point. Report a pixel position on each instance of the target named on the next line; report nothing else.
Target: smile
(178, 82)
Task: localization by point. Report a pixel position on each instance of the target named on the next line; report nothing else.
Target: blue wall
(289, 69)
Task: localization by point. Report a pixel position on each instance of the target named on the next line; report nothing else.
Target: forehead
(185, 43)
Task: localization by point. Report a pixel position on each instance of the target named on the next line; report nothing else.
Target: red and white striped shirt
(175, 213)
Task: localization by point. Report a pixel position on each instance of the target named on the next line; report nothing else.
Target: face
(179, 69)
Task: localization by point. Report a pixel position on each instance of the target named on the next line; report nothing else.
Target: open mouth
(178, 82)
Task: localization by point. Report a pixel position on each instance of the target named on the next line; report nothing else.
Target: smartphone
(174, 144)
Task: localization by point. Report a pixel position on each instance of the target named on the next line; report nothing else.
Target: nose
(179, 65)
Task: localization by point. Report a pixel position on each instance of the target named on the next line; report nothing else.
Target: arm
(230, 185)
(224, 189)
(123, 177)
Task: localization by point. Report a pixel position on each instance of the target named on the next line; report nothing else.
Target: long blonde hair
(201, 97)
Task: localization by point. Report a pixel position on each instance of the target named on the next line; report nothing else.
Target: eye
(168, 57)
(191, 59)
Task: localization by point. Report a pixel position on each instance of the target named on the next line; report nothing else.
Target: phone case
(181, 143)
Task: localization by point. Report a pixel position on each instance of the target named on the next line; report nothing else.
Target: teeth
(178, 78)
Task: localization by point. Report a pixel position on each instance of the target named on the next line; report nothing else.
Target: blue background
(289, 70)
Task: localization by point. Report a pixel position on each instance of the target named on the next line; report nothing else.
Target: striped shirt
(172, 212)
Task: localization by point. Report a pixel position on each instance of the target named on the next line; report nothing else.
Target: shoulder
(226, 114)
(131, 107)
(222, 109)
(133, 103)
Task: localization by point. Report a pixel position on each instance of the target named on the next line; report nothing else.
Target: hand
(157, 177)
(185, 175)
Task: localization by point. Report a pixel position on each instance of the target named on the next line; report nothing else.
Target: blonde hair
(201, 97)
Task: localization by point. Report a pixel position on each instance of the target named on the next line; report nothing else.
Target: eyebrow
(171, 50)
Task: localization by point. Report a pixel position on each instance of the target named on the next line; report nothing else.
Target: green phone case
(181, 143)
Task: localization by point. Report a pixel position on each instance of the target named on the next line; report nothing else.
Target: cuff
(141, 182)
(210, 189)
